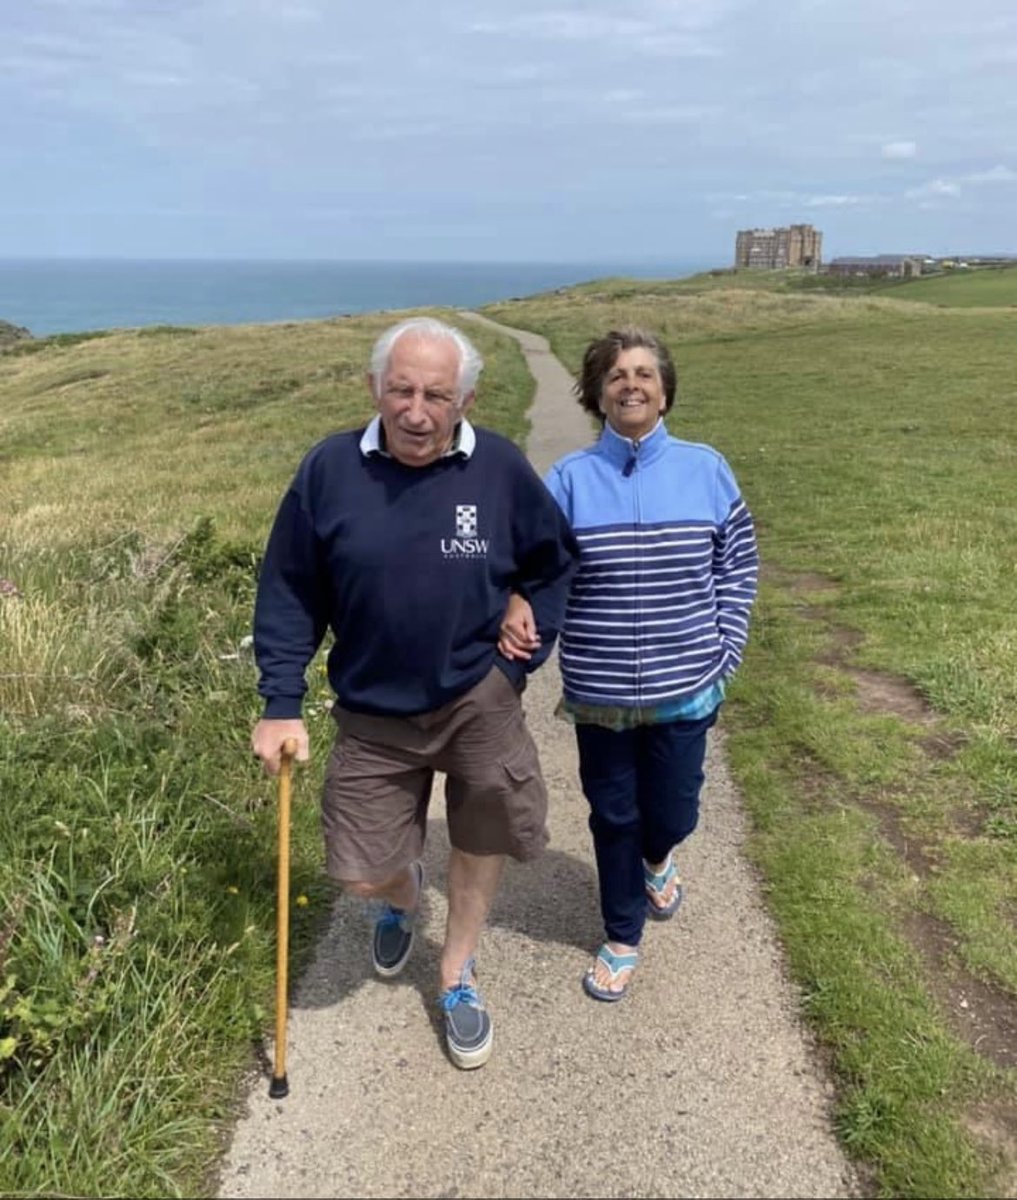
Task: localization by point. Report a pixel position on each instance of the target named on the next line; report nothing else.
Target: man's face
(419, 399)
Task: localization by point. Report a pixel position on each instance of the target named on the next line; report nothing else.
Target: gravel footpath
(702, 1082)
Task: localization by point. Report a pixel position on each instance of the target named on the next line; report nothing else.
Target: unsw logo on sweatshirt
(466, 543)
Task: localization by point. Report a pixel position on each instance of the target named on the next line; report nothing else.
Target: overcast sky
(596, 130)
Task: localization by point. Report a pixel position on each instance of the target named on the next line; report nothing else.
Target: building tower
(775, 249)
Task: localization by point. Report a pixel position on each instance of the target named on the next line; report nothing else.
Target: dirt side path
(700, 1083)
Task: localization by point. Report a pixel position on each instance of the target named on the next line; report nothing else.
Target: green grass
(874, 442)
(975, 287)
(982, 287)
(140, 473)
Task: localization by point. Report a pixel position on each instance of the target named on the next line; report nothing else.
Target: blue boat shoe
(469, 1033)
(393, 933)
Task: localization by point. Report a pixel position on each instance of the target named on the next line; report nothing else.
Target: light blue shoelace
(463, 992)
(459, 995)
(391, 917)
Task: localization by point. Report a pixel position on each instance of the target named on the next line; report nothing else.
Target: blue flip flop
(656, 885)
(615, 963)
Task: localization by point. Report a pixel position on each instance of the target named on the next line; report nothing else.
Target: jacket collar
(623, 450)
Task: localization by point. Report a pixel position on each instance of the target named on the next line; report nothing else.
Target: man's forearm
(289, 613)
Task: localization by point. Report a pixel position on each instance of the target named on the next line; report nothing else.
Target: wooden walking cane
(279, 1087)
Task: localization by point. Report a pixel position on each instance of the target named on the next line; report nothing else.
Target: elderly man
(407, 538)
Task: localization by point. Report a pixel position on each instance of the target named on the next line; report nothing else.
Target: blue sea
(72, 295)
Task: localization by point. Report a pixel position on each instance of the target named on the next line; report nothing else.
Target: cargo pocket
(525, 800)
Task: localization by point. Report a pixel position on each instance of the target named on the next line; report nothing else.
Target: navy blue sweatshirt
(412, 568)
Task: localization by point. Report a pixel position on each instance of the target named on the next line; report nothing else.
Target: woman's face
(632, 398)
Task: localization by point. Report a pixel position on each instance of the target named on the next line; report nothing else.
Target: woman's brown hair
(602, 354)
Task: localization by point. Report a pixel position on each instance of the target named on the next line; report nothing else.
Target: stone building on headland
(895, 266)
(775, 249)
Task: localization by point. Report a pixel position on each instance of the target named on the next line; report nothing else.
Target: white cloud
(677, 45)
(156, 79)
(787, 199)
(487, 113)
(1001, 56)
(679, 114)
(348, 96)
(32, 67)
(835, 201)
(664, 32)
(996, 174)
(399, 130)
(899, 149)
(934, 187)
(954, 186)
(518, 73)
(566, 25)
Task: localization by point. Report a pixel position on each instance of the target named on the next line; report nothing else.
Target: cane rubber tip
(278, 1089)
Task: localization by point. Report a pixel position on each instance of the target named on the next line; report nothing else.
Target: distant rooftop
(871, 260)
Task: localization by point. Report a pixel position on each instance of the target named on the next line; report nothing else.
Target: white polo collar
(464, 440)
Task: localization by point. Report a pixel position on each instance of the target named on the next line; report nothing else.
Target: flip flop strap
(616, 963)
(659, 882)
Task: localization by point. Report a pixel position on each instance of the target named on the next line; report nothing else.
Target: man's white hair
(470, 361)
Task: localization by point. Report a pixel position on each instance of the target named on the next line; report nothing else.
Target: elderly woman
(657, 620)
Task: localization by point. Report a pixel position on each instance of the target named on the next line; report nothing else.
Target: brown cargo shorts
(379, 775)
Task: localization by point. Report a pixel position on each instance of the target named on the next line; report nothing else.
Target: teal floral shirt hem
(688, 708)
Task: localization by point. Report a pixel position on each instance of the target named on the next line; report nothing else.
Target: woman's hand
(519, 636)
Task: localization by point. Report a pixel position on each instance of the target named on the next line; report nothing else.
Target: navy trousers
(643, 788)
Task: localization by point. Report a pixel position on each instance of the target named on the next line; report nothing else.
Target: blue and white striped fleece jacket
(659, 607)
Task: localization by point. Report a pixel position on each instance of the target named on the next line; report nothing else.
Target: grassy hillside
(873, 726)
(147, 425)
(986, 287)
(983, 287)
(139, 472)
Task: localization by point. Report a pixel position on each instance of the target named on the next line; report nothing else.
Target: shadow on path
(551, 901)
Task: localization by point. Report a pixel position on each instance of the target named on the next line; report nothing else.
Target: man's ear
(371, 388)
(467, 403)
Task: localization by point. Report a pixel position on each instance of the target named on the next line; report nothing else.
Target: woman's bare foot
(614, 981)
(663, 888)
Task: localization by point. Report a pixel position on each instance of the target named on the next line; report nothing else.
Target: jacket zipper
(630, 468)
